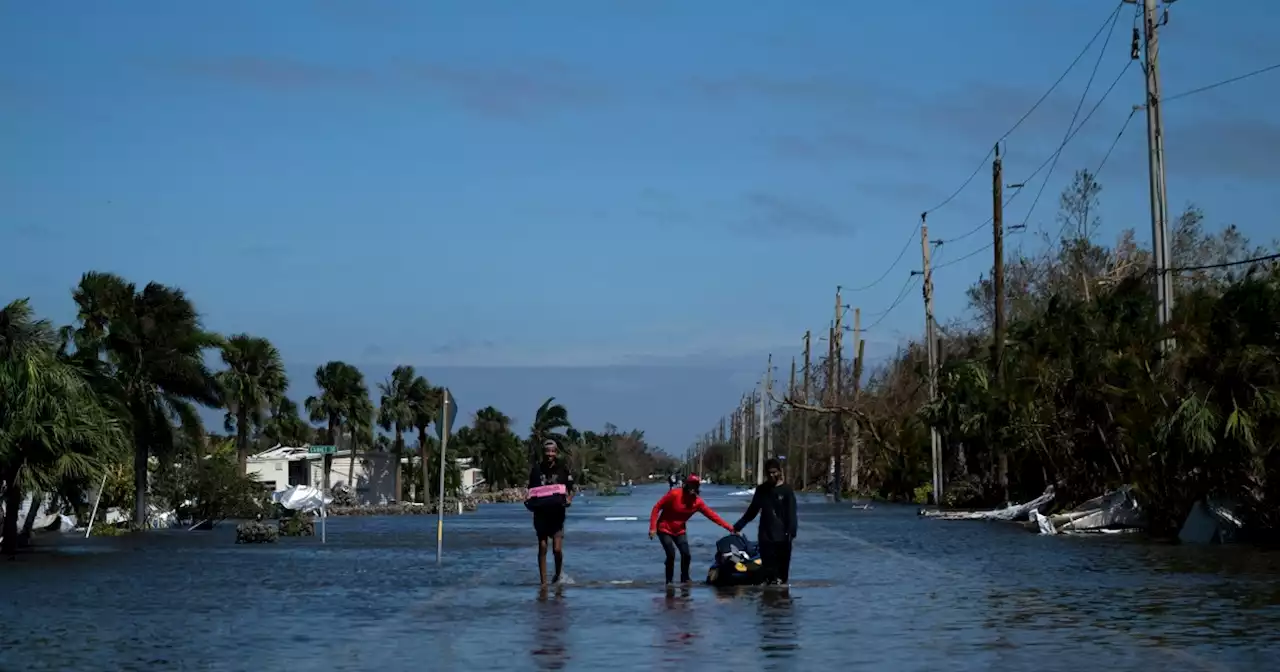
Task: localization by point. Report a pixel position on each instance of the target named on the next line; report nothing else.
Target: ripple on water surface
(873, 590)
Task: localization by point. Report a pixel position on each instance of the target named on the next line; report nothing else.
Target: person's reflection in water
(777, 623)
(551, 619)
(678, 626)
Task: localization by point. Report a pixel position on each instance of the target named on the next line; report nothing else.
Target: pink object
(547, 490)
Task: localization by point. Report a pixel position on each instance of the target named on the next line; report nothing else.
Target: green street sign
(322, 450)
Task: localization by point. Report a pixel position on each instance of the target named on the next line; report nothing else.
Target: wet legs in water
(776, 558)
(669, 545)
(557, 550)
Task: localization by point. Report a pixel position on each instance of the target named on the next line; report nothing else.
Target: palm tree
(339, 383)
(424, 402)
(359, 417)
(54, 428)
(395, 414)
(253, 383)
(549, 422)
(285, 426)
(151, 345)
(497, 448)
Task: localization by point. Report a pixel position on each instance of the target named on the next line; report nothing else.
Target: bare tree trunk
(37, 502)
(242, 440)
(398, 478)
(12, 501)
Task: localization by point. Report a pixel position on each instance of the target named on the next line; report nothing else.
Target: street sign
(451, 410)
(322, 450)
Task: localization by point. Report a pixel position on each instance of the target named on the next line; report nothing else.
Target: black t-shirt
(555, 474)
(776, 506)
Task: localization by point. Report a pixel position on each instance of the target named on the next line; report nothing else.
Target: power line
(902, 294)
(1115, 141)
(1051, 159)
(1110, 21)
(1225, 264)
(1075, 115)
(980, 250)
(1224, 82)
(892, 266)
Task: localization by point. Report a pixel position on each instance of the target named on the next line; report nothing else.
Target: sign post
(448, 413)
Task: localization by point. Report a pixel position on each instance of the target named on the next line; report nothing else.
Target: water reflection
(678, 628)
(777, 623)
(551, 619)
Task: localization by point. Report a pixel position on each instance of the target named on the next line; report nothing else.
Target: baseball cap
(693, 479)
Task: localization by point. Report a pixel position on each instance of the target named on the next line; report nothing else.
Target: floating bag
(547, 496)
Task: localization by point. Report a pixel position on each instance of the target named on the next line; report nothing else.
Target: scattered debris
(255, 532)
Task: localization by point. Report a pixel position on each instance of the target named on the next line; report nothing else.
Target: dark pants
(776, 558)
(670, 544)
(548, 521)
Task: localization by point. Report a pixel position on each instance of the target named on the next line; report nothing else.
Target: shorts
(548, 521)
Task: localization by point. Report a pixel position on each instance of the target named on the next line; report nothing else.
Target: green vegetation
(110, 402)
(1085, 400)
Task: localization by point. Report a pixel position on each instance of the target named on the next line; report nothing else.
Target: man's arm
(534, 480)
(712, 515)
(569, 485)
(751, 512)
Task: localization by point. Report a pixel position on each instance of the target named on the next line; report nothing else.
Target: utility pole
(1155, 165)
(997, 282)
(760, 436)
(788, 419)
(855, 456)
(745, 433)
(831, 401)
(804, 419)
(935, 444)
(768, 409)
(837, 419)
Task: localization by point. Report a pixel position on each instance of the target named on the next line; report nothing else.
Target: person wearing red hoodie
(668, 518)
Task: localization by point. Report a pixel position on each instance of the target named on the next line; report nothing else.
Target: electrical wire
(972, 254)
(1074, 115)
(1224, 82)
(902, 294)
(1110, 21)
(1225, 264)
(892, 266)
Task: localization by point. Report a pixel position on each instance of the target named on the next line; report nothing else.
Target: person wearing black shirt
(548, 517)
(775, 502)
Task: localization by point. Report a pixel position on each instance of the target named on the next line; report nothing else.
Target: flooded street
(873, 590)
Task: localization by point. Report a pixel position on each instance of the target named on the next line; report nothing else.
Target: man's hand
(652, 534)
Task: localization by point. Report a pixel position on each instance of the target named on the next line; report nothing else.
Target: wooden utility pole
(997, 282)
(837, 448)
(788, 419)
(745, 434)
(855, 456)
(764, 388)
(1155, 166)
(935, 444)
(831, 402)
(804, 419)
(768, 409)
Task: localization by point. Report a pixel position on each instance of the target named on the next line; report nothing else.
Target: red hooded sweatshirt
(671, 513)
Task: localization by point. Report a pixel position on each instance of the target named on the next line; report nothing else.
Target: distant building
(282, 467)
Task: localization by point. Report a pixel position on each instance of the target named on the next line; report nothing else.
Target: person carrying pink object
(550, 493)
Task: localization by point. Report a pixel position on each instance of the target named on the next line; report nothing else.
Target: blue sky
(643, 199)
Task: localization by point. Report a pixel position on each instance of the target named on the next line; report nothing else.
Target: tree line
(112, 402)
(1084, 396)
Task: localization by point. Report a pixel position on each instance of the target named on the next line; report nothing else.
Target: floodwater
(877, 589)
